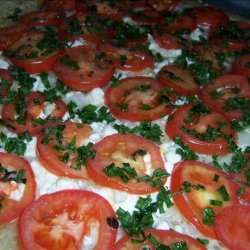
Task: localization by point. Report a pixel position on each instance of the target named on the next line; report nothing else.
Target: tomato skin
(49, 157)
(181, 22)
(200, 173)
(59, 5)
(211, 17)
(232, 227)
(147, 17)
(11, 33)
(69, 213)
(160, 5)
(81, 79)
(33, 112)
(11, 209)
(24, 46)
(135, 60)
(231, 45)
(40, 18)
(166, 237)
(166, 40)
(218, 146)
(218, 103)
(240, 65)
(124, 93)
(5, 75)
(184, 86)
(123, 145)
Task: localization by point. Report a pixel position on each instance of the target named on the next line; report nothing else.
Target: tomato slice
(9, 34)
(241, 65)
(147, 17)
(167, 238)
(211, 17)
(84, 68)
(194, 204)
(30, 114)
(59, 5)
(40, 18)
(180, 80)
(120, 152)
(160, 5)
(193, 123)
(181, 22)
(232, 227)
(26, 53)
(64, 155)
(5, 82)
(63, 219)
(217, 94)
(166, 40)
(11, 166)
(138, 98)
(127, 59)
(230, 44)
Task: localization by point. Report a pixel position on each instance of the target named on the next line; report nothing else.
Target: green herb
(71, 106)
(123, 106)
(208, 216)
(155, 179)
(171, 75)
(140, 152)
(84, 153)
(125, 173)
(14, 145)
(185, 152)
(4, 85)
(195, 112)
(146, 129)
(187, 187)
(145, 107)
(61, 88)
(65, 59)
(222, 60)
(74, 27)
(45, 79)
(1, 201)
(142, 88)
(140, 219)
(115, 81)
(216, 203)
(164, 198)
(223, 192)
(203, 241)
(123, 60)
(157, 245)
(14, 17)
(180, 246)
(216, 178)
(8, 176)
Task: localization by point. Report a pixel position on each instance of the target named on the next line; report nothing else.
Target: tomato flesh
(65, 221)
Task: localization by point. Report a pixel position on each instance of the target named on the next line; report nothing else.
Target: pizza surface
(124, 125)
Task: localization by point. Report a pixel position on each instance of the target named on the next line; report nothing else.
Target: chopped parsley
(65, 59)
(208, 216)
(8, 176)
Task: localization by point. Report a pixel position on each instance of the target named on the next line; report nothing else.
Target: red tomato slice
(5, 82)
(164, 237)
(24, 53)
(216, 94)
(138, 98)
(241, 65)
(59, 5)
(34, 104)
(160, 5)
(120, 149)
(128, 59)
(40, 18)
(10, 208)
(230, 44)
(211, 17)
(181, 22)
(189, 117)
(180, 80)
(63, 219)
(84, 68)
(9, 34)
(147, 17)
(232, 227)
(192, 204)
(166, 40)
(55, 156)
